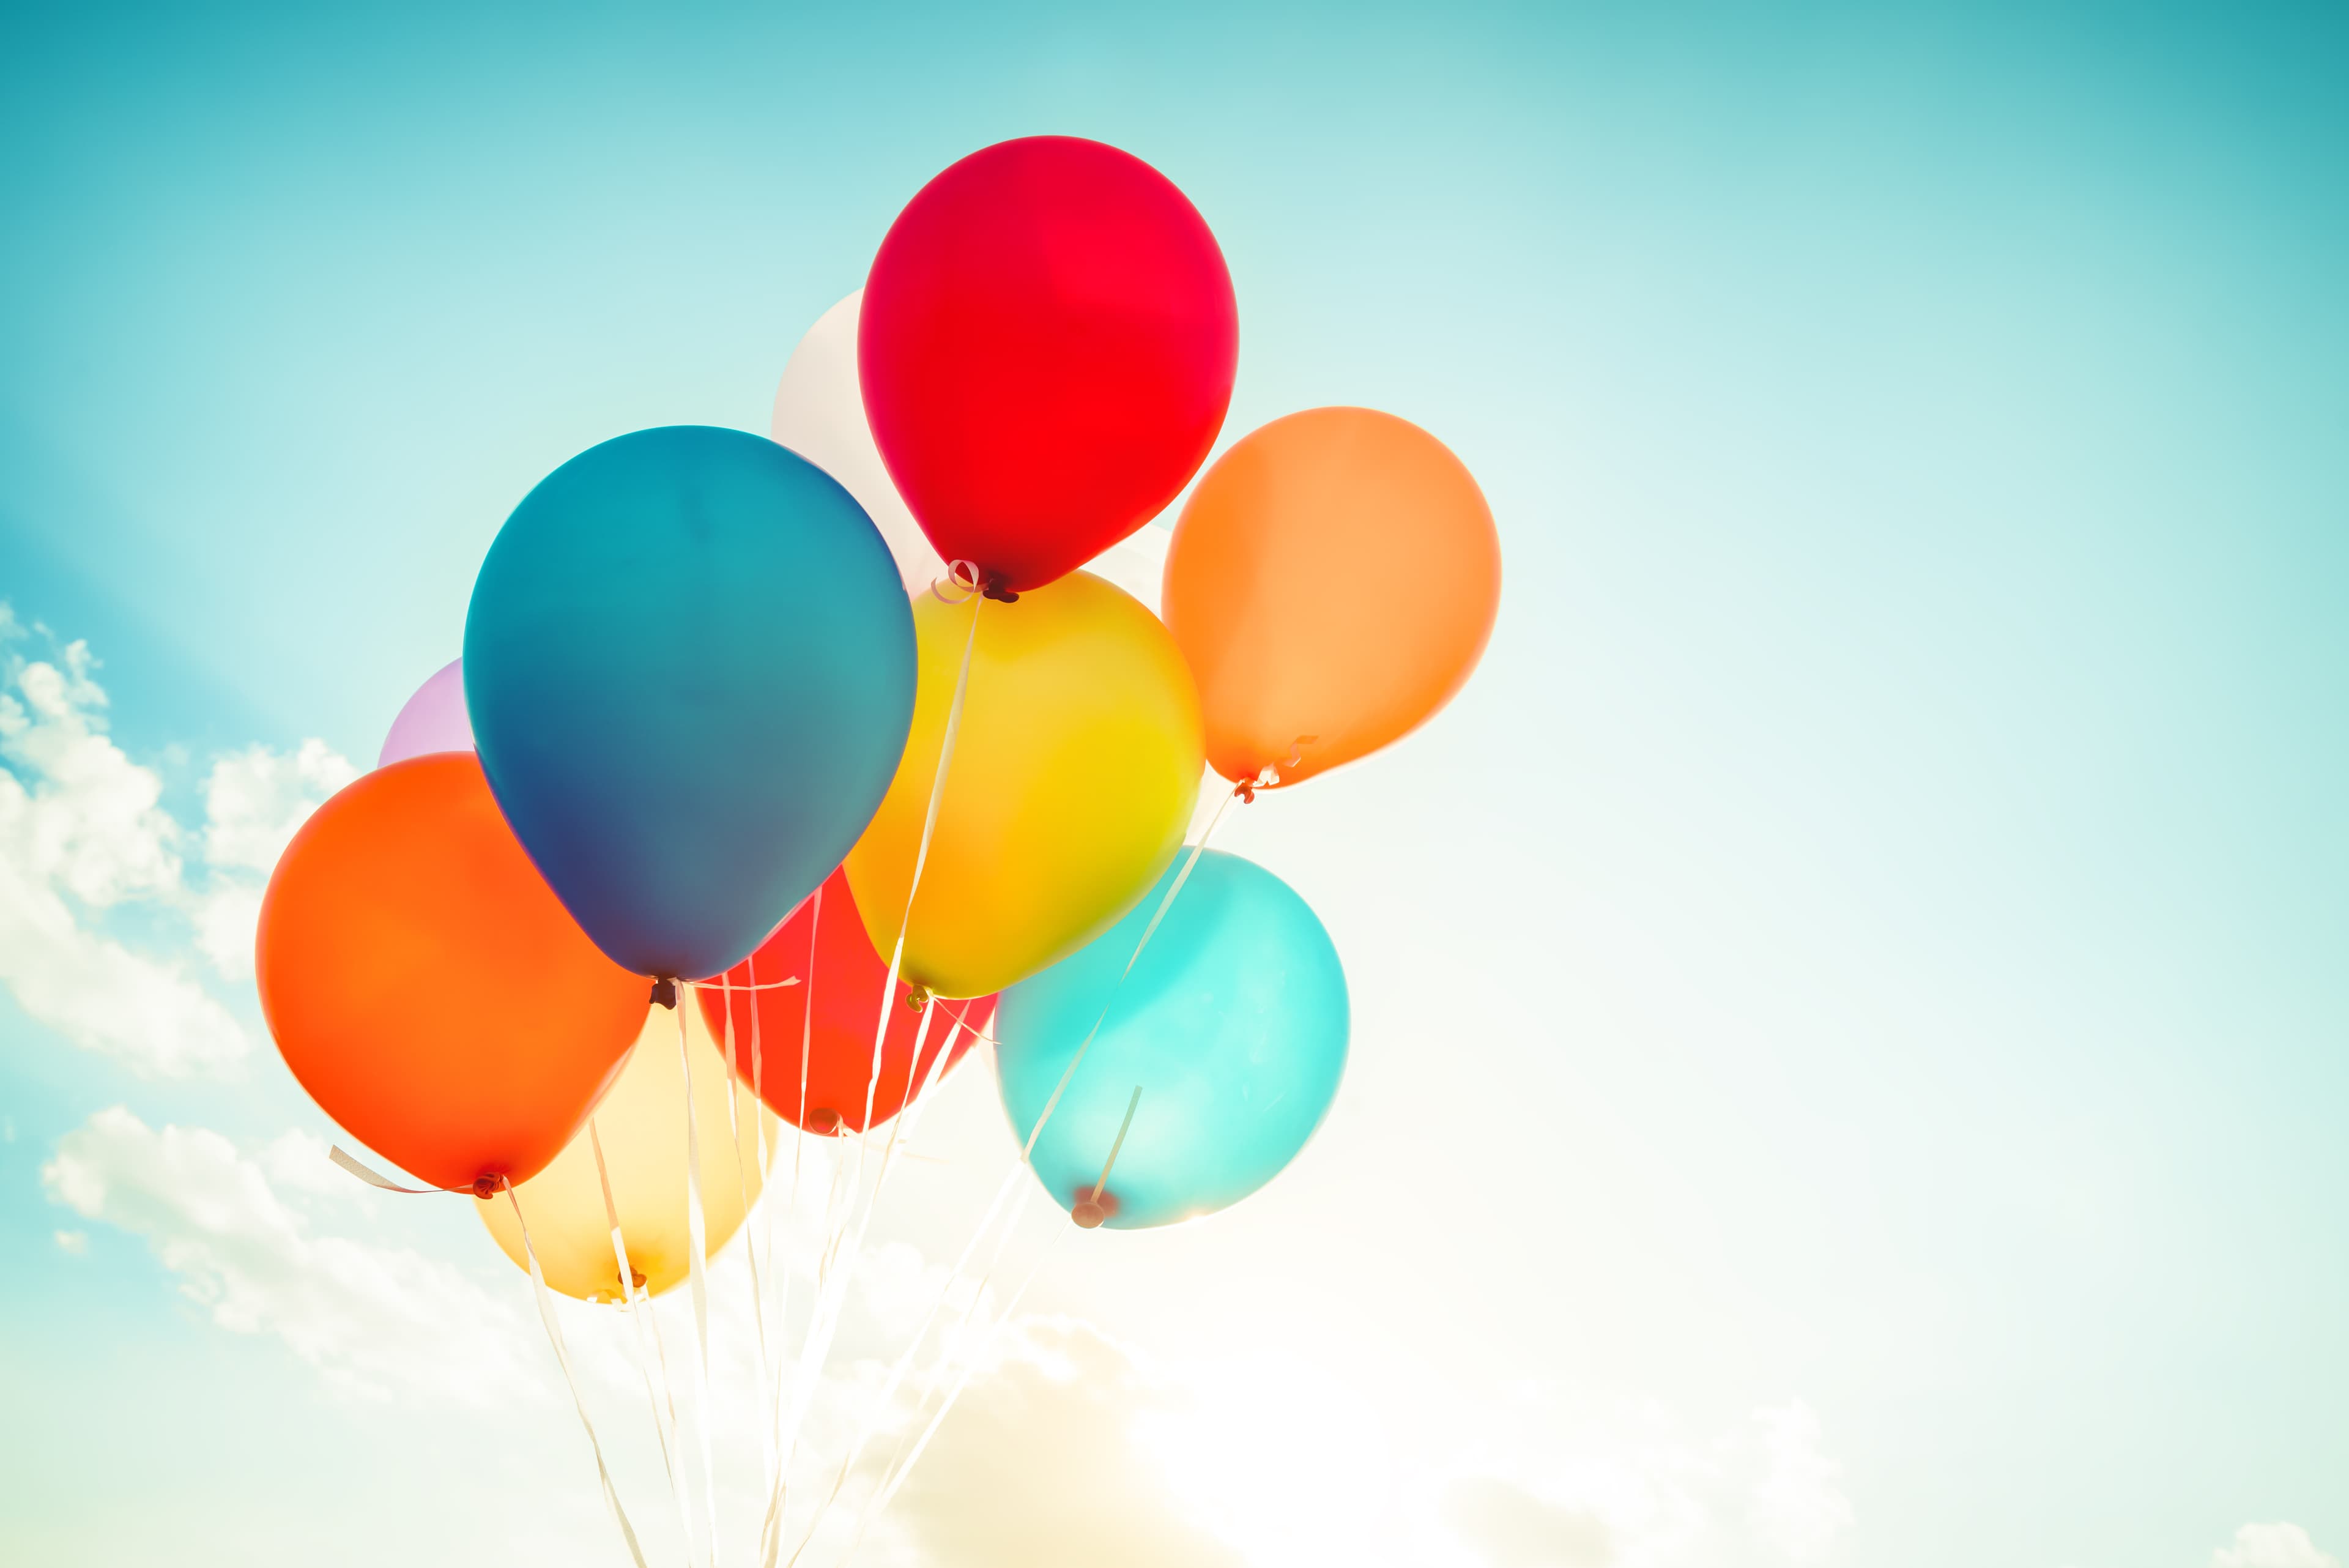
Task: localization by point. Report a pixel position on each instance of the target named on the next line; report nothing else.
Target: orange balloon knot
(825, 1122)
(488, 1187)
(665, 993)
(1089, 1210)
(1245, 790)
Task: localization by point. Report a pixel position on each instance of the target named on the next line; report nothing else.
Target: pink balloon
(434, 719)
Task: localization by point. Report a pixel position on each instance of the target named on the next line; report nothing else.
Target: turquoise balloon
(1232, 1026)
(689, 665)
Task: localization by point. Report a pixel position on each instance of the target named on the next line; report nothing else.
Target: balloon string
(771, 1526)
(906, 1106)
(1117, 1143)
(922, 849)
(948, 1343)
(901, 1129)
(563, 1359)
(758, 1094)
(1148, 931)
(377, 1179)
(855, 1226)
(812, 1347)
(905, 1362)
(831, 1297)
(666, 1433)
(697, 1232)
(749, 1232)
(970, 1365)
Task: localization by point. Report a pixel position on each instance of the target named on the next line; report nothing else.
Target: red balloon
(1047, 346)
(842, 984)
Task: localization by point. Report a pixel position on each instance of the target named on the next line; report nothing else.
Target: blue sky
(1865, 949)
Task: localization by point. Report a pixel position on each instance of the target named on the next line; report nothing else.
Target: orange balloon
(1332, 581)
(426, 986)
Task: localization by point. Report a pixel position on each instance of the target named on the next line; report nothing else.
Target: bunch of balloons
(832, 731)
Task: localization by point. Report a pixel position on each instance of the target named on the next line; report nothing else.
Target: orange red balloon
(1333, 582)
(426, 986)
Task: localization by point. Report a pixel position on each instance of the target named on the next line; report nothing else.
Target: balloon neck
(1093, 1208)
(488, 1187)
(1269, 775)
(825, 1122)
(998, 587)
(665, 992)
(916, 998)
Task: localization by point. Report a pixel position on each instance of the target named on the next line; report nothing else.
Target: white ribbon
(1069, 1073)
(563, 1359)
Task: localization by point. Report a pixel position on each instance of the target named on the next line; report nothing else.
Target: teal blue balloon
(689, 667)
(1225, 1043)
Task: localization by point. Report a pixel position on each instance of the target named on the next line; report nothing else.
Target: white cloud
(1509, 1527)
(298, 1161)
(1798, 1507)
(2272, 1546)
(83, 831)
(74, 1243)
(375, 1321)
(1066, 1446)
(93, 990)
(1042, 1461)
(255, 801)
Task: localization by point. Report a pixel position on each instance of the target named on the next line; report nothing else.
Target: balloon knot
(665, 992)
(1245, 790)
(1096, 1206)
(488, 1187)
(916, 998)
(825, 1122)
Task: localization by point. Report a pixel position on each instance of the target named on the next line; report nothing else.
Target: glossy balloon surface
(1074, 775)
(824, 1022)
(1048, 344)
(1332, 581)
(689, 668)
(426, 986)
(1232, 1026)
(641, 1124)
(431, 720)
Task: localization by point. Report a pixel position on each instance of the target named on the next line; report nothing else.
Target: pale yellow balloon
(1070, 790)
(641, 1124)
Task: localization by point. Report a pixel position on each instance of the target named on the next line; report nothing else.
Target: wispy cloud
(375, 1321)
(2275, 1545)
(1799, 1506)
(1066, 1444)
(83, 832)
(1042, 1461)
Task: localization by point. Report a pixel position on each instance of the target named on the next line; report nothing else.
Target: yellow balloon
(1071, 787)
(640, 1121)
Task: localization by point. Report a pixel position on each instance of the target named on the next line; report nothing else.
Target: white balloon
(820, 414)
